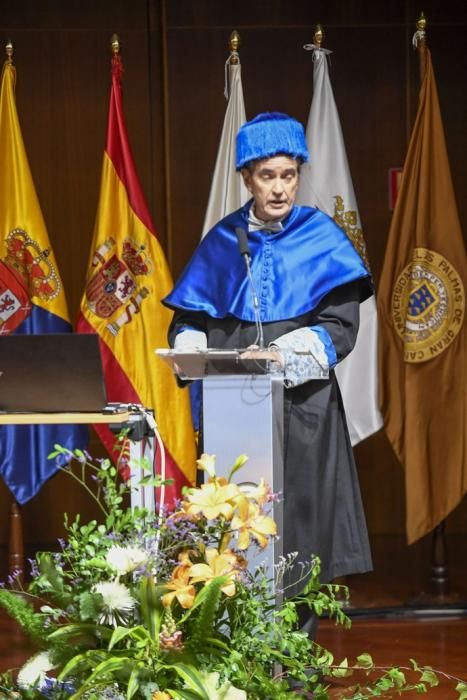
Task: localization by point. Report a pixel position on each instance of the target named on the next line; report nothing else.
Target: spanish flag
(32, 299)
(421, 302)
(127, 278)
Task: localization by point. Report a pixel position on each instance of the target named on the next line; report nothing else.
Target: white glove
(190, 339)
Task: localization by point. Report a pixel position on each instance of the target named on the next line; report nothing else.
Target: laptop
(51, 373)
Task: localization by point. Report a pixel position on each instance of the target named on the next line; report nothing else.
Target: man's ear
(246, 178)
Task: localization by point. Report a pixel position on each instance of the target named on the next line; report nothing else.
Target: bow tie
(255, 224)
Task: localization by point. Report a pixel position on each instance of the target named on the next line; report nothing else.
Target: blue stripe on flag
(24, 448)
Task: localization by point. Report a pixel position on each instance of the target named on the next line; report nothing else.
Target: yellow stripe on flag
(131, 319)
(25, 245)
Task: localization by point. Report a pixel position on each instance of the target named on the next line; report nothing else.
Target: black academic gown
(323, 513)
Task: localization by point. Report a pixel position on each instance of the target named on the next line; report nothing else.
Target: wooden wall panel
(174, 53)
(62, 57)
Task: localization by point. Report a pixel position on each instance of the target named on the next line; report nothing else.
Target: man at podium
(308, 282)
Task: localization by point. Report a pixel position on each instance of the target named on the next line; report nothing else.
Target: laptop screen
(51, 373)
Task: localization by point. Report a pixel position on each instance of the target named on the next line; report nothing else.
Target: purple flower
(34, 568)
(14, 576)
(50, 686)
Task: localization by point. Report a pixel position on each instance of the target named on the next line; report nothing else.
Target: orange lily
(180, 587)
(251, 522)
(224, 564)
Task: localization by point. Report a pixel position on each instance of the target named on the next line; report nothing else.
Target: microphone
(242, 238)
(244, 248)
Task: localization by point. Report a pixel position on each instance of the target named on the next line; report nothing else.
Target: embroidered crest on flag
(113, 284)
(348, 220)
(15, 305)
(33, 265)
(428, 305)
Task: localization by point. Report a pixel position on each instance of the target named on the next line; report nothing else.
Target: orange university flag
(421, 309)
(127, 278)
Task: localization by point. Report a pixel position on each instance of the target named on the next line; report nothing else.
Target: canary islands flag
(127, 278)
(32, 299)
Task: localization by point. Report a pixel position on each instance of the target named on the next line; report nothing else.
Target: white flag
(228, 192)
(326, 183)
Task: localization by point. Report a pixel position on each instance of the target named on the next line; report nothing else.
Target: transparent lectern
(242, 414)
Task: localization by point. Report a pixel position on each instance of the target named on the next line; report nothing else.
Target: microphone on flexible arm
(244, 249)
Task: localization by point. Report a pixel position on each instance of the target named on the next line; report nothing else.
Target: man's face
(273, 182)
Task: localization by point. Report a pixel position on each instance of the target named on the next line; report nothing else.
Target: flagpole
(15, 540)
(166, 131)
(439, 556)
(318, 38)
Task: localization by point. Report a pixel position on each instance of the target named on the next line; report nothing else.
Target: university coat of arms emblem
(428, 305)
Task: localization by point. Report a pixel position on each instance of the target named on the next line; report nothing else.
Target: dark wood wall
(174, 53)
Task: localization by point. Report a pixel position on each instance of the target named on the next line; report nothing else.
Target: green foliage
(203, 626)
(151, 607)
(23, 613)
(137, 604)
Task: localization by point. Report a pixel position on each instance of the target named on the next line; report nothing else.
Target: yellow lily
(212, 500)
(261, 493)
(251, 522)
(225, 564)
(207, 463)
(180, 587)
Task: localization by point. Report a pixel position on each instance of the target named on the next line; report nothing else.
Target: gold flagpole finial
(419, 38)
(318, 36)
(421, 23)
(115, 44)
(234, 45)
(9, 51)
(419, 42)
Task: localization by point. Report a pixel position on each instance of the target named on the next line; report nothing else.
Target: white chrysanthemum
(117, 602)
(34, 670)
(123, 560)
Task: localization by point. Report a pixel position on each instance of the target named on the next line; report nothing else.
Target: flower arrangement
(163, 607)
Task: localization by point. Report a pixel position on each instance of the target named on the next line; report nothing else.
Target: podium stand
(242, 414)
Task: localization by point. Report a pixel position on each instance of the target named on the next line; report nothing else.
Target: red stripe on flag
(119, 151)
(119, 389)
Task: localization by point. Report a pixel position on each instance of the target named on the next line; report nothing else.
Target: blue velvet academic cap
(270, 134)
